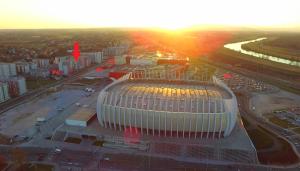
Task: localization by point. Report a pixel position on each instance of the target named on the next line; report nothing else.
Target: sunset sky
(169, 14)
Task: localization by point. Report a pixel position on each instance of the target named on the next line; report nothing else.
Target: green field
(270, 148)
(73, 140)
(260, 139)
(98, 143)
(35, 84)
(285, 45)
(280, 122)
(39, 167)
(88, 81)
(297, 130)
(267, 48)
(278, 66)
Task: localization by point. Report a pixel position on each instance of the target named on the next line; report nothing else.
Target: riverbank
(241, 58)
(275, 59)
(263, 47)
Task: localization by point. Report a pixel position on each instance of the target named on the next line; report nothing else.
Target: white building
(23, 67)
(158, 108)
(42, 63)
(4, 95)
(7, 70)
(22, 85)
(40, 72)
(98, 57)
(115, 50)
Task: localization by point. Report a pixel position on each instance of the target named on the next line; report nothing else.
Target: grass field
(297, 130)
(283, 156)
(260, 139)
(281, 122)
(73, 140)
(265, 143)
(88, 81)
(284, 124)
(35, 84)
(262, 47)
(35, 167)
(233, 54)
(39, 167)
(98, 143)
(202, 67)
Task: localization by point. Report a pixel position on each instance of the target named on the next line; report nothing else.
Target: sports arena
(176, 108)
(183, 115)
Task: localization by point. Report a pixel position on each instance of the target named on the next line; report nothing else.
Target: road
(108, 161)
(260, 122)
(35, 93)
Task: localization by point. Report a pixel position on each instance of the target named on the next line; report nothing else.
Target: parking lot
(239, 82)
(46, 112)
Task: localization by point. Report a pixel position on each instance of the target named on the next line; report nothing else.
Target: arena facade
(176, 108)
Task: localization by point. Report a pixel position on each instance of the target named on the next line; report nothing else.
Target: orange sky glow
(170, 14)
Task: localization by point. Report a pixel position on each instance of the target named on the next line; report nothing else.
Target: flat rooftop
(84, 114)
(82, 117)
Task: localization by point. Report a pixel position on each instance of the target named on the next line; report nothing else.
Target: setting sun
(142, 13)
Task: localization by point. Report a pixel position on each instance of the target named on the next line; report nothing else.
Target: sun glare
(167, 14)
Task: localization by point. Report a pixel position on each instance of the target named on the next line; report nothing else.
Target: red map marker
(76, 52)
(227, 76)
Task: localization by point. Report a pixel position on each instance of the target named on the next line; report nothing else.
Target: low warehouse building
(81, 118)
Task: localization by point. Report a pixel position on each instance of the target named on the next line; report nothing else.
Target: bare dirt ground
(266, 103)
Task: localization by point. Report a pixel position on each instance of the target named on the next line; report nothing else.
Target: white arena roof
(168, 108)
(179, 97)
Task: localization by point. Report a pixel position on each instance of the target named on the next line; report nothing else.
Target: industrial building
(81, 118)
(180, 109)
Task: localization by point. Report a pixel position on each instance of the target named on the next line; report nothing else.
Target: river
(238, 47)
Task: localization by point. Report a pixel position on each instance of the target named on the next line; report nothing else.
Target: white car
(57, 150)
